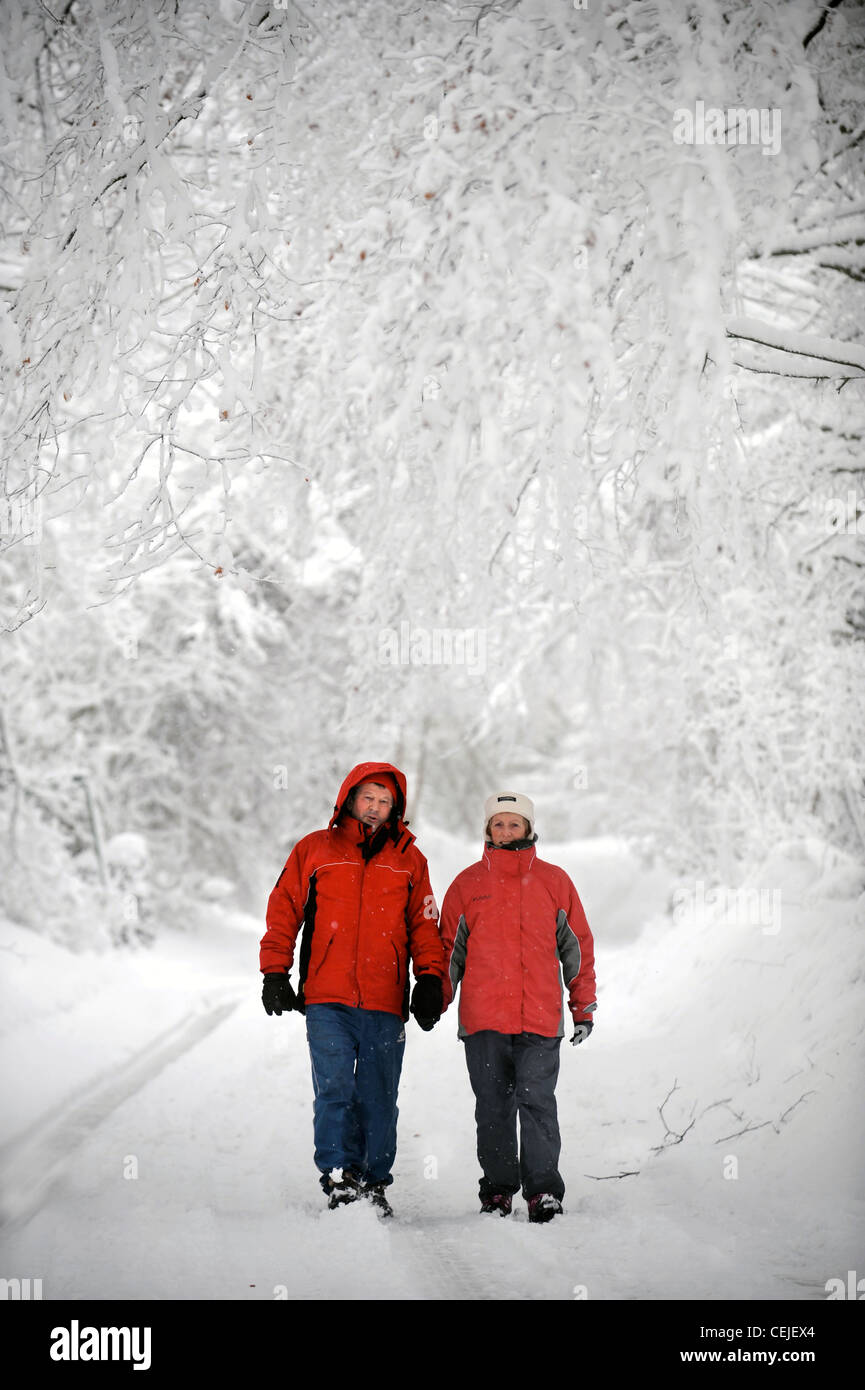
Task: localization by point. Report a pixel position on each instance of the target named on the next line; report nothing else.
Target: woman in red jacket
(514, 929)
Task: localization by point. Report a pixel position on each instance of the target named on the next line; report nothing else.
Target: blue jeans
(356, 1057)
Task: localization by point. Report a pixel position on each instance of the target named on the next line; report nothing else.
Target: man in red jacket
(513, 929)
(361, 893)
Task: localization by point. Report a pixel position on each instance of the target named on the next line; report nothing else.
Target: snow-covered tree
(478, 385)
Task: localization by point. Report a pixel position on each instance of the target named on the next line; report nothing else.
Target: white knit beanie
(510, 801)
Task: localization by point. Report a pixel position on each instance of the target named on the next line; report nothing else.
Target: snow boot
(544, 1206)
(497, 1201)
(375, 1191)
(340, 1185)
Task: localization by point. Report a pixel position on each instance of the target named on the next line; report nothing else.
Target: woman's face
(507, 827)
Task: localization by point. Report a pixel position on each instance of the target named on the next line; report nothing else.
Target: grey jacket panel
(457, 963)
(568, 947)
(570, 956)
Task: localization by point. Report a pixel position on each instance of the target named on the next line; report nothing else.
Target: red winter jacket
(365, 904)
(513, 927)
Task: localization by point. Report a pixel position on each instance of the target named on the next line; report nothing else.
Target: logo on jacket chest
(481, 898)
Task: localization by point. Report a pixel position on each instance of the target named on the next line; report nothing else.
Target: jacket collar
(369, 842)
(509, 861)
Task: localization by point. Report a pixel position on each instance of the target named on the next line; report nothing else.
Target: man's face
(507, 827)
(371, 803)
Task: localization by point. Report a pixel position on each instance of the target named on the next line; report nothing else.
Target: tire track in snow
(31, 1165)
(438, 1263)
(443, 1249)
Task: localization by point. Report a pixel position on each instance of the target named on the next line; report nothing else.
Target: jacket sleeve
(577, 953)
(285, 908)
(422, 922)
(453, 937)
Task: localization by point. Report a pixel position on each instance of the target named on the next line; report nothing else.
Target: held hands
(426, 1001)
(582, 1031)
(277, 994)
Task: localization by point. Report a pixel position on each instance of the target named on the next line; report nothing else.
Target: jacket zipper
(364, 867)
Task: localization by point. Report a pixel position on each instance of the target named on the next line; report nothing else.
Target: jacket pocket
(320, 965)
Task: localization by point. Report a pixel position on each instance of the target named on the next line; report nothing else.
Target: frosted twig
(676, 1138)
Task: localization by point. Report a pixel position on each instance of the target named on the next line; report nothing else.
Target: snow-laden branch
(142, 155)
(819, 238)
(820, 24)
(784, 340)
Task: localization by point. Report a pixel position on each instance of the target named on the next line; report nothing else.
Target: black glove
(582, 1031)
(277, 994)
(426, 1001)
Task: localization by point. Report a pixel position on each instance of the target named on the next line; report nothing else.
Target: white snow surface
(158, 1124)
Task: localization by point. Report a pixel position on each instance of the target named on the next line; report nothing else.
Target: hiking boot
(340, 1185)
(497, 1201)
(375, 1192)
(544, 1206)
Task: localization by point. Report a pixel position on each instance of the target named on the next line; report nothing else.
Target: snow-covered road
(180, 1165)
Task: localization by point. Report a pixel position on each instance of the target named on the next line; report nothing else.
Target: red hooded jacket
(366, 906)
(513, 929)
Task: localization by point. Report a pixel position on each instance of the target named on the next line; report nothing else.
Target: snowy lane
(712, 1133)
(223, 1202)
(200, 1184)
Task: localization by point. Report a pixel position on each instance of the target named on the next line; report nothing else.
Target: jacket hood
(366, 772)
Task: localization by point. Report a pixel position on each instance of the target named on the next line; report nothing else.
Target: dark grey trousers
(515, 1074)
